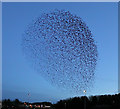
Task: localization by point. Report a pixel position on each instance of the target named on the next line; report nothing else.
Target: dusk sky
(19, 76)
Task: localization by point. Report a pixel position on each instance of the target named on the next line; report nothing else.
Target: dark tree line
(92, 102)
(9, 104)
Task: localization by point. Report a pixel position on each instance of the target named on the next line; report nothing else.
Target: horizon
(62, 99)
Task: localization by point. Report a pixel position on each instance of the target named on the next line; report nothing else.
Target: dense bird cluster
(62, 49)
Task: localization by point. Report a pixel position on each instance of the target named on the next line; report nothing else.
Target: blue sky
(19, 76)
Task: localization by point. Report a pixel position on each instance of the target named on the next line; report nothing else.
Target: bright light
(84, 91)
(30, 106)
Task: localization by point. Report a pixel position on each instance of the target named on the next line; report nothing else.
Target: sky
(18, 75)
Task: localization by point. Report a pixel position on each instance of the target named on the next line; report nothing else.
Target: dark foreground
(92, 102)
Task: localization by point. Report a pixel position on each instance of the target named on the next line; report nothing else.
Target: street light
(28, 97)
(84, 99)
(65, 105)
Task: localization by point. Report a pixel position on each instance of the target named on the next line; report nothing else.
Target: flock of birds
(62, 49)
